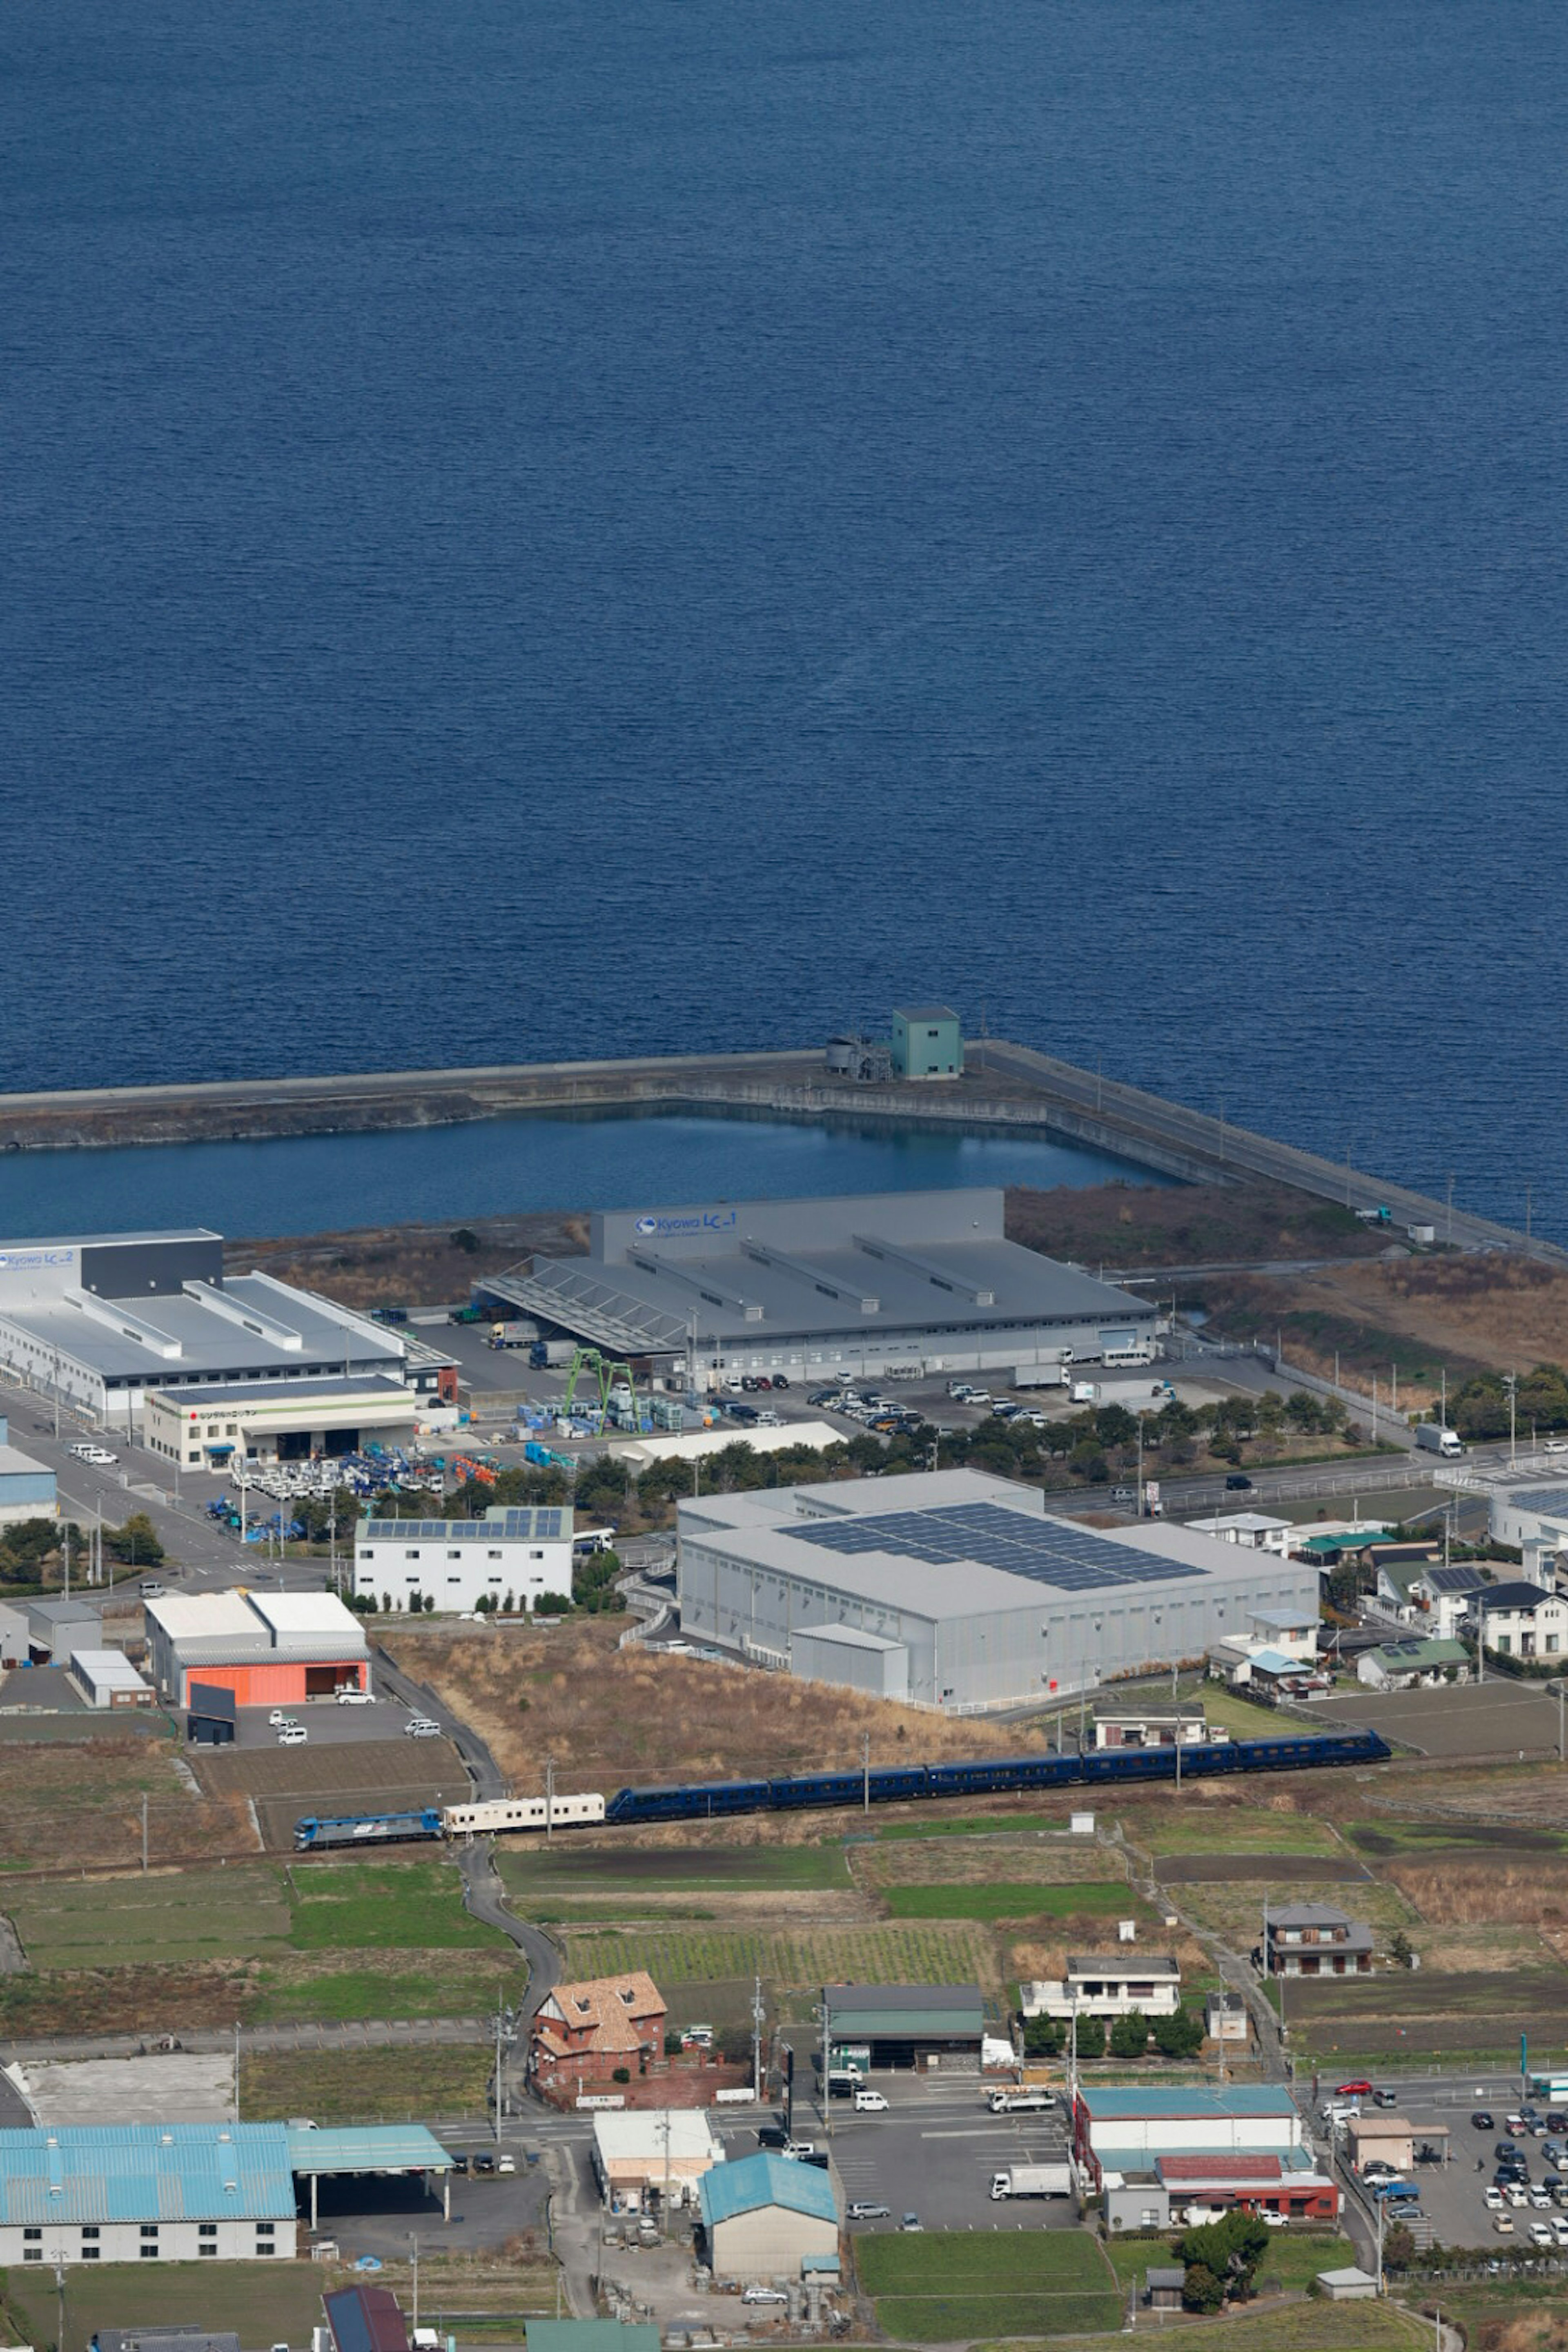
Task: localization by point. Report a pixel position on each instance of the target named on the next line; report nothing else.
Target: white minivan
(870, 2102)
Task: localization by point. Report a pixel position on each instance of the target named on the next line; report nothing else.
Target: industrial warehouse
(879, 1284)
(101, 1322)
(269, 1649)
(956, 1589)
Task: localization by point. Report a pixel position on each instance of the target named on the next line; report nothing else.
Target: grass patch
(1099, 1898)
(1206, 1827)
(971, 1825)
(189, 1915)
(380, 1906)
(1293, 2327)
(364, 2086)
(945, 2285)
(739, 1869)
(273, 2303)
(418, 1985)
(936, 1952)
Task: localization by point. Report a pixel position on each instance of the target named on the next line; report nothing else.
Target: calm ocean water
(537, 528)
(565, 1161)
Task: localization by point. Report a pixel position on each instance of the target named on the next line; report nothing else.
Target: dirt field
(609, 1717)
(408, 1265)
(1193, 1869)
(1190, 1224)
(372, 1775)
(1478, 1719)
(79, 1804)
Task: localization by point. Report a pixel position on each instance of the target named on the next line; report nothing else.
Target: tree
(1200, 2291)
(136, 1541)
(1130, 2035)
(552, 1604)
(1230, 2250)
(466, 1240)
(1398, 2246)
(1042, 2037)
(1180, 2036)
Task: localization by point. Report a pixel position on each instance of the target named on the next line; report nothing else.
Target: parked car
(910, 2221)
(349, 1696)
(772, 2135)
(864, 2209)
(799, 2147)
(420, 1726)
(1492, 2199)
(765, 2294)
(1503, 2225)
(278, 1716)
(1238, 1483)
(506, 2164)
(1356, 2090)
(484, 2162)
(293, 1735)
(1482, 2120)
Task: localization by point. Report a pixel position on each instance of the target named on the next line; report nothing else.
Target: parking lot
(1454, 2194)
(325, 1723)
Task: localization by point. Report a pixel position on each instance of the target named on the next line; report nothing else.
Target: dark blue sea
(538, 529)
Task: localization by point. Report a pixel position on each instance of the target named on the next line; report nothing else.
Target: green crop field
(934, 1953)
(1304, 2326)
(536, 1879)
(270, 2302)
(1208, 1828)
(416, 1984)
(1099, 1898)
(1291, 2260)
(188, 1915)
(369, 1907)
(942, 2286)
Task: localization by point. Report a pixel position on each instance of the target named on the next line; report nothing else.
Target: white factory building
(954, 1589)
(510, 1559)
(1533, 1517)
(101, 1320)
(871, 1285)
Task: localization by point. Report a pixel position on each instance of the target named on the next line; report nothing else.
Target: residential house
(590, 2029)
(1098, 1985)
(1442, 1596)
(1149, 1726)
(1521, 1620)
(1293, 1631)
(1253, 1530)
(1312, 1939)
(1413, 1663)
(644, 2156)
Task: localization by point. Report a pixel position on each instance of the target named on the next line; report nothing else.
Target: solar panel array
(1453, 1580)
(518, 1526)
(1047, 1552)
(1549, 1499)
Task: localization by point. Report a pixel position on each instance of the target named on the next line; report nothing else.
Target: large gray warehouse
(954, 1589)
(873, 1285)
(103, 1319)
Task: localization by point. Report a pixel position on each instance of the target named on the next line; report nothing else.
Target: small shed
(106, 1678)
(1349, 2285)
(1376, 2138)
(209, 1718)
(56, 1628)
(927, 1043)
(1132, 2205)
(766, 2216)
(1162, 2287)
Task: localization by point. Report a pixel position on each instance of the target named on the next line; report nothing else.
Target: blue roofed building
(146, 2192)
(26, 1488)
(769, 2217)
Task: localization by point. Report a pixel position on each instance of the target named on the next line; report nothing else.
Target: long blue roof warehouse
(130, 2192)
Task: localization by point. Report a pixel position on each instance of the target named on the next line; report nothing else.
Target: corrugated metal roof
(365, 2319)
(753, 2181)
(146, 2172)
(375, 2148)
(1133, 2105)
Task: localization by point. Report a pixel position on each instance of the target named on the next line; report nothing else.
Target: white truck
(1085, 1391)
(1433, 1438)
(1022, 2102)
(1032, 2180)
(1039, 1376)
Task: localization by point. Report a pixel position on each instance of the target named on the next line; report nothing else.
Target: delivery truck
(1032, 2180)
(1024, 2102)
(1433, 1438)
(546, 1352)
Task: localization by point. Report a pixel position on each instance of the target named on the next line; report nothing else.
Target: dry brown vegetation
(607, 1716)
(78, 1805)
(408, 1265)
(1543, 2330)
(1530, 1892)
(1187, 1225)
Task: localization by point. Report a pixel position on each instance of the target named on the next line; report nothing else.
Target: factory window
(91, 2231)
(265, 2229)
(149, 2252)
(536, 1555)
(32, 2253)
(207, 2246)
(208, 2230)
(31, 2232)
(89, 2254)
(149, 2229)
(411, 1554)
(454, 1579)
(264, 2245)
(495, 1555)
(454, 1554)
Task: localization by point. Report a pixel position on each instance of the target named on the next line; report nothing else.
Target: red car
(1353, 2091)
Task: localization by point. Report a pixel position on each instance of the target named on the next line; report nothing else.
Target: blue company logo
(20, 1260)
(710, 1221)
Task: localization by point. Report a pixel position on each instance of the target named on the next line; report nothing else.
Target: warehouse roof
(752, 2182)
(1156, 2103)
(202, 1616)
(374, 1386)
(213, 1629)
(304, 1612)
(951, 1544)
(372, 2148)
(252, 1325)
(146, 2172)
(755, 1270)
(635, 2136)
(109, 1669)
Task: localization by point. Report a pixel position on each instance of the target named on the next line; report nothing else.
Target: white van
(292, 1735)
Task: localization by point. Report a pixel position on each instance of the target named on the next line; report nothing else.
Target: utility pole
(548, 1797)
(237, 2070)
(413, 2242)
(866, 1772)
(67, 1555)
(757, 2015)
(826, 2090)
(143, 1833)
(1375, 1408)
(1140, 1467)
(1527, 1207)
(498, 2069)
(1451, 1208)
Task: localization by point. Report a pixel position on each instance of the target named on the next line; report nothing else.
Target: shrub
(624, 2073)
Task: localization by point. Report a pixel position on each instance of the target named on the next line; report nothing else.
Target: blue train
(691, 1801)
(895, 1784)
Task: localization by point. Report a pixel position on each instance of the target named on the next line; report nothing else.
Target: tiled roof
(609, 2007)
(1219, 2167)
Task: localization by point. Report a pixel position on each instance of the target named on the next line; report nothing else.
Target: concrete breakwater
(1006, 1087)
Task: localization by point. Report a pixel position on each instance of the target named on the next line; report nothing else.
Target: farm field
(278, 2301)
(1213, 1820)
(1300, 2326)
(189, 1915)
(946, 2285)
(990, 1852)
(1494, 1718)
(535, 1878)
(82, 1799)
(935, 1952)
(365, 2086)
(1087, 1898)
(1291, 2259)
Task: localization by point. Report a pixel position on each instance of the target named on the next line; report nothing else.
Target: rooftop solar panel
(1551, 1499)
(1070, 1558)
(1453, 1579)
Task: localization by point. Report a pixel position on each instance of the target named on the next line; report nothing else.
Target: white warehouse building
(874, 1284)
(953, 1589)
(511, 1557)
